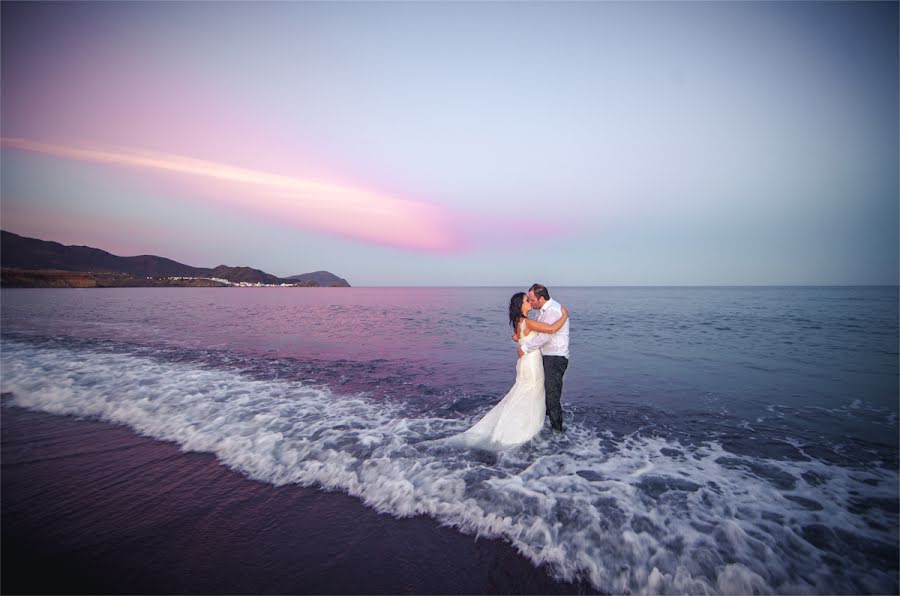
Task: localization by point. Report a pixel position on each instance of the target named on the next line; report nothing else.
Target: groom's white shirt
(550, 344)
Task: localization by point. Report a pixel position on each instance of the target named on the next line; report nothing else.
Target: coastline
(55, 278)
(124, 513)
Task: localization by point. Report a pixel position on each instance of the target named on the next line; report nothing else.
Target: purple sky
(462, 143)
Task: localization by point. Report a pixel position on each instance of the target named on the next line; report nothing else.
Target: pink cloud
(152, 117)
(357, 213)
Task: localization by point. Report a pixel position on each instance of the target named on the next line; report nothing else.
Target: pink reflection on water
(449, 337)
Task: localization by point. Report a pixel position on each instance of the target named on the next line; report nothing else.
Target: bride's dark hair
(515, 309)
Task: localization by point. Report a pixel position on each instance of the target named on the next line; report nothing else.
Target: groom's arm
(535, 343)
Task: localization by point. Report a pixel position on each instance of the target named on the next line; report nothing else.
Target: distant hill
(323, 278)
(242, 274)
(20, 252)
(30, 253)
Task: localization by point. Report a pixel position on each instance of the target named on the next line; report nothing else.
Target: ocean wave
(633, 513)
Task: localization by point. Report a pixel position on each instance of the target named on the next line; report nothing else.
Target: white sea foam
(637, 515)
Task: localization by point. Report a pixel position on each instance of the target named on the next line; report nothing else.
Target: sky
(464, 143)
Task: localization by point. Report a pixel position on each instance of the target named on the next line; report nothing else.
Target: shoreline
(61, 279)
(102, 509)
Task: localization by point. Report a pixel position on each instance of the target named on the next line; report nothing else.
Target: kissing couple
(543, 358)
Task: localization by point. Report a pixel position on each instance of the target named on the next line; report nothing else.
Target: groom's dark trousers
(554, 368)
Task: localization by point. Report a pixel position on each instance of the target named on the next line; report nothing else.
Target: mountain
(245, 274)
(22, 253)
(323, 278)
(30, 253)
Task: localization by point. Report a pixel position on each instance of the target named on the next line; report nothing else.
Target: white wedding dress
(520, 414)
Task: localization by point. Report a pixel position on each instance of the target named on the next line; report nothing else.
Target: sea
(717, 439)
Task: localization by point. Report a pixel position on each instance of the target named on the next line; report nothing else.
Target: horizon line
(724, 285)
(573, 285)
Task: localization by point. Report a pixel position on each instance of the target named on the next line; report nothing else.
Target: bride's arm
(548, 327)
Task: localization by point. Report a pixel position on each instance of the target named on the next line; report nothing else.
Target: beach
(96, 508)
(721, 440)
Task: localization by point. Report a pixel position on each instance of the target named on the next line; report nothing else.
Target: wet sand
(89, 507)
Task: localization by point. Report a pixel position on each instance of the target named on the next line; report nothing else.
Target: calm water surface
(719, 439)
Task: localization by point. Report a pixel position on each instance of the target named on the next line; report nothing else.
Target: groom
(554, 350)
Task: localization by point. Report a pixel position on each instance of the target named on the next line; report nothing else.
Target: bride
(520, 414)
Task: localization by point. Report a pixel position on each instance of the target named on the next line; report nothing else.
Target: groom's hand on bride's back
(516, 336)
